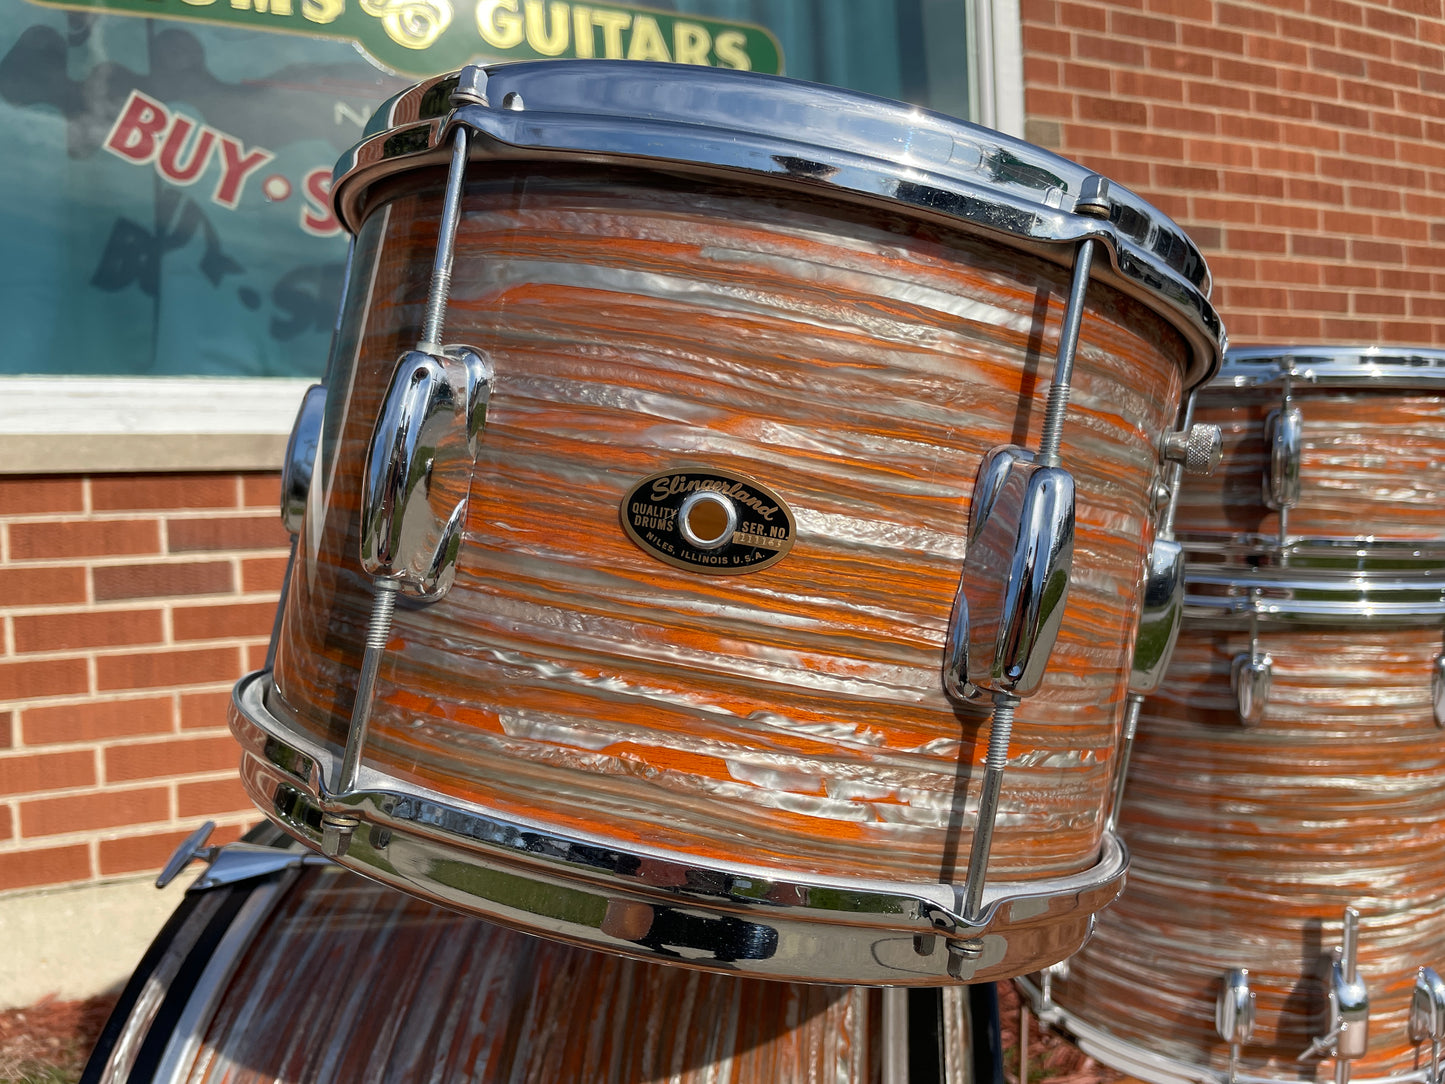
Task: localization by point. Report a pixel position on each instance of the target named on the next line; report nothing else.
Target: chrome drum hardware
(498, 762)
(1348, 1036)
(300, 460)
(1249, 676)
(1191, 449)
(1234, 1015)
(1437, 691)
(425, 443)
(1314, 593)
(1284, 433)
(425, 440)
(1010, 598)
(1427, 1016)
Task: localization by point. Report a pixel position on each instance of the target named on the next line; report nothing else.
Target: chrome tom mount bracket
(1234, 1015)
(1427, 1016)
(1190, 449)
(417, 480)
(1349, 1005)
(1010, 598)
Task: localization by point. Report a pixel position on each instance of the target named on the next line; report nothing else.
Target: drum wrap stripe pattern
(350, 981)
(1370, 465)
(858, 363)
(1248, 843)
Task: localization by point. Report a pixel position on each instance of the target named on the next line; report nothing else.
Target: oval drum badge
(708, 520)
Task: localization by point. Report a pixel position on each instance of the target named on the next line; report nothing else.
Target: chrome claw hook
(1251, 675)
(418, 471)
(1234, 1015)
(1427, 1016)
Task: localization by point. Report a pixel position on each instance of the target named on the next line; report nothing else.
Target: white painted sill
(109, 425)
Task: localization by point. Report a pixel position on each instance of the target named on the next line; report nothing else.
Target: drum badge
(708, 520)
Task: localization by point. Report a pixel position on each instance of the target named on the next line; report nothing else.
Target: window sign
(168, 161)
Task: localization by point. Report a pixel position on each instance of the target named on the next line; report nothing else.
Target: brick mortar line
(77, 700)
(139, 649)
(220, 730)
(160, 560)
(127, 786)
(161, 518)
(149, 648)
(108, 835)
(94, 697)
(152, 601)
(1236, 28)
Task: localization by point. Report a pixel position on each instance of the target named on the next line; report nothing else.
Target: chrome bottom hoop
(1149, 1065)
(649, 905)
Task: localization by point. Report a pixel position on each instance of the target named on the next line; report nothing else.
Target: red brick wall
(130, 604)
(1300, 142)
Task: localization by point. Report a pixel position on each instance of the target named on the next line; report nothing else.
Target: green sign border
(426, 37)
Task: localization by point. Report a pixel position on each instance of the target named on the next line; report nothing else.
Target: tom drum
(1285, 805)
(659, 597)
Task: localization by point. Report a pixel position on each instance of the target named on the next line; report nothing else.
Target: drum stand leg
(895, 1035)
(1023, 1077)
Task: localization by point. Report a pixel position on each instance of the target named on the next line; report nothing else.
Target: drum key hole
(708, 520)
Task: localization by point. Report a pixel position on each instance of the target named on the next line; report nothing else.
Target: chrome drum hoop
(1332, 367)
(721, 918)
(719, 122)
(1337, 581)
(1145, 1064)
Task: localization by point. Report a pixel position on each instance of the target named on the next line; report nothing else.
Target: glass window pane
(167, 210)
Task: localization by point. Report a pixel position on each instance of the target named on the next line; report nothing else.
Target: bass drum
(667, 675)
(1285, 804)
(304, 973)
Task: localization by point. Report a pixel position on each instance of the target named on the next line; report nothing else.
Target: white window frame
(130, 424)
(998, 55)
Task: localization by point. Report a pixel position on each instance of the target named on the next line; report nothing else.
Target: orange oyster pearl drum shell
(1372, 463)
(346, 980)
(855, 361)
(1248, 843)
